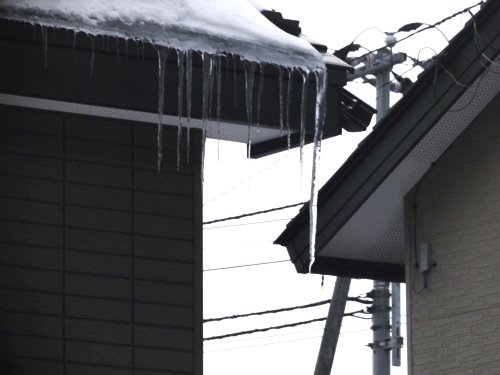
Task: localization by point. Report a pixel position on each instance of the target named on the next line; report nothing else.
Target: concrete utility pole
(332, 327)
(397, 340)
(381, 328)
(380, 65)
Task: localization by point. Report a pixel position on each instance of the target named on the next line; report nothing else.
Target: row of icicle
(212, 75)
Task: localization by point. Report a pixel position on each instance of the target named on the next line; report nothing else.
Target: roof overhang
(119, 78)
(361, 222)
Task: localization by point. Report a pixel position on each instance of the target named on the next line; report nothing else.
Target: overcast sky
(235, 185)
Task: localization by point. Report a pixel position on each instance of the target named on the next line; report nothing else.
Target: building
(101, 252)
(418, 202)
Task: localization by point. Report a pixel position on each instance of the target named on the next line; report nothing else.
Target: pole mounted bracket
(388, 343)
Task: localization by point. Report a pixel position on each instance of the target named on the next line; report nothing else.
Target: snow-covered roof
(212, 26)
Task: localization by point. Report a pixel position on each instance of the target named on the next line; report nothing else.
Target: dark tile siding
(98, 270)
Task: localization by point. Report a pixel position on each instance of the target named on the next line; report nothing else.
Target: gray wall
(455, 323)
(100, 256)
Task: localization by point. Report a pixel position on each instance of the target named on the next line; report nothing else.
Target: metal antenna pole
(332, 327)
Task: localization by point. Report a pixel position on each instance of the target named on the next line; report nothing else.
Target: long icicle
(45, 45)
(162, 62)
(280, 94)
(249, 68)
(259, 93)
(189, 87)
(288, 103)
(180, 102)
(219, 93)
(321, 80)
(92, 55)
(207, 65)
(303, 117)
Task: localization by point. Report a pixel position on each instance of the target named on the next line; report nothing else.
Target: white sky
(235, 185)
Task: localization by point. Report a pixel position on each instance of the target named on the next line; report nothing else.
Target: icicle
(303, 117)
(162, 67)
(203, 149)
(106, 42)
(45, 45)
(218, 104)
(280, 80)
(117, 50)
(92, 55)
(235, 86)
(211, 86)
(189, 86)
(206, 64)
(321, 80)
(249, 68)
(180, 103)
(126, 48)
(259, 93)
(288, 103)
(142, 49)
(75, 33)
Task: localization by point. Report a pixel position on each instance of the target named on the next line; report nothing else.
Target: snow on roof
(212, 26)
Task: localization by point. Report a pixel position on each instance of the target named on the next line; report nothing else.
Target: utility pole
(380, 65)
(332, 327)
(381, 328)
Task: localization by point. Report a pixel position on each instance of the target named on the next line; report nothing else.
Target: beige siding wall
(100, 269)
(455, 323)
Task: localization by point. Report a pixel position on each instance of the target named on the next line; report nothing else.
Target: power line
(434, 25)
(264, 344)
(289, 325)
(252, 223)
(358, 299)
(253, 213)
(320, 303)
(257, 330)
(246, 265)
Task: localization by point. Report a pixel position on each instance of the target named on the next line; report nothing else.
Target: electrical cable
(257, 330)
(466, 10)
(320, 303)
(252, 223)
(253, 213)
(263, 344)
(246, 265)
(358, 299)
(289, 325)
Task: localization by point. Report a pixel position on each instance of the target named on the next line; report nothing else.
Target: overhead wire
(430, 26)
(257, 330)
(253, 213)
(246, 265)
(252, 223)
(309, 305)
(283, 326)
(358, 299)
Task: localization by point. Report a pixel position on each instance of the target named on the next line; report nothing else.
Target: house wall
(455, 323)
(100, 256)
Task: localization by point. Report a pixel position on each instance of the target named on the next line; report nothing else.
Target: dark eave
(391, 140)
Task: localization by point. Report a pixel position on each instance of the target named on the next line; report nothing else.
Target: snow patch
(211, 26)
